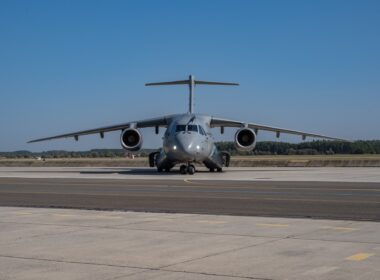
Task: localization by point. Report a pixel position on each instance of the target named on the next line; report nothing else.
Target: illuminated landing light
(174, 147)
(198, 147)
(189, 147)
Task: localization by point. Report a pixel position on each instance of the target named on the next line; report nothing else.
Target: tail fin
(191, 82)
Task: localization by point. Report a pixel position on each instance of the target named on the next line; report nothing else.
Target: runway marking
(22, 213)
(340, 228)
(64, 215)
(271, 225)
(205, 182)
(108, 217)
(359, 256)
(212, 222)
(319, 200)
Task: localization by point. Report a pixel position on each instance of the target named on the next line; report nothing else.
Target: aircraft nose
(187, 145)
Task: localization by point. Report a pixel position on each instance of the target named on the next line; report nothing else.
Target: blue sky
(72, 65)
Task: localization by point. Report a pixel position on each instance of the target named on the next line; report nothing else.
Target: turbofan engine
(131, 139)
(245, 139)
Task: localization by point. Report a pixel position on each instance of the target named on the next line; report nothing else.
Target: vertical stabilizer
(191, 82)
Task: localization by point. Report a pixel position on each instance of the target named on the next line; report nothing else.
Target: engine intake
(131, 139)
(245, 139)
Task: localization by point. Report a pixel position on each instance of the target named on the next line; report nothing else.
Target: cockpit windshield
(190, 127)
(180, 127)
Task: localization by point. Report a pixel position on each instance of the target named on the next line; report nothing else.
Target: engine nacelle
(131, 139)
(245, 139)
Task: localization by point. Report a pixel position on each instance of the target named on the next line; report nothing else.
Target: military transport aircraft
(187, 138)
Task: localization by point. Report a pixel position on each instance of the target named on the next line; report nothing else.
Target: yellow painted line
(359, 257)
(340, 228)
(64, 215)
(108, 217)
(23, 213)
(272, 225)
(211, 222)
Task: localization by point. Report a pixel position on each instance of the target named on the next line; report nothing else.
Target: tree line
(307, 148)
(262, 148)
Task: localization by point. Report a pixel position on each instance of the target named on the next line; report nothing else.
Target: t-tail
(192, 83)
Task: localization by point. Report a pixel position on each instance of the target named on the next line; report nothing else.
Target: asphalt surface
(328, 200)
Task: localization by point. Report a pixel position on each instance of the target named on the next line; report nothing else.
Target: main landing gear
(217, 169)
(189, 169)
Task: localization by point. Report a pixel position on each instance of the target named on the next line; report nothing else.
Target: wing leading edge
(219, 122)
(161, 121)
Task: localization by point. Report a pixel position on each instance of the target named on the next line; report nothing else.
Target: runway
(234, 225)
(312, 199)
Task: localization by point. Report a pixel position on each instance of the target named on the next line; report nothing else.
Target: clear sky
(72, 65)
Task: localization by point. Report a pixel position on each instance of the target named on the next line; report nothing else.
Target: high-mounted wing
(219, 122)
(161, 121)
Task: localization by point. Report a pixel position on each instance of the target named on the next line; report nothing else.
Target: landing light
(198, 147)
(174, 147)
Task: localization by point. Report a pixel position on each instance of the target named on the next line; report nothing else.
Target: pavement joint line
(129, 274)
(292, 236)
(74, 262)
(215, 274)
(45, 234)
(146, 269)
(224, 252)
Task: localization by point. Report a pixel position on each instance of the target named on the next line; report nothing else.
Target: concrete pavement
(81, 244)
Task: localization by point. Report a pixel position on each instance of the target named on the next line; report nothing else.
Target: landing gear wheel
(191, 169)
(159, 169)
(219, 169)
(182, 169)
(212, 169)
(167, 170)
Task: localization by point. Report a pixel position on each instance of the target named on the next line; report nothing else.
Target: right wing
(161, 121)
(219, 122)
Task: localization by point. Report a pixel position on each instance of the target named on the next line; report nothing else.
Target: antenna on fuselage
(191, 82)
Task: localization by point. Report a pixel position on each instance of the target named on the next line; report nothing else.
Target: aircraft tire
(191, 169)
(219, 169)
(182, 169)
(212, 169)
(159, 169)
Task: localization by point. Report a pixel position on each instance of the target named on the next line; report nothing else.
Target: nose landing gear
(189, 169)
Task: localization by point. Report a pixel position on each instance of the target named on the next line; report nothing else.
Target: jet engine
(245, 139)
(131, 139)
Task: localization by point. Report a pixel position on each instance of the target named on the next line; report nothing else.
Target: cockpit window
(192, 127)
(201, 130)
(180, 127)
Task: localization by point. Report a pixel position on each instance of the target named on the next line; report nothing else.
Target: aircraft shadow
(153, 171)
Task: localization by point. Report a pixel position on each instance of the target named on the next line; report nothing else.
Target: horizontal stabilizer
(183, 82)
(191, 82)
(215, 83)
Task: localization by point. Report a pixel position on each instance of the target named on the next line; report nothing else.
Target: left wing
(218, 122)
(162, 121)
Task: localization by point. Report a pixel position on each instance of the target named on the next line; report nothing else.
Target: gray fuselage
(188, 139)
